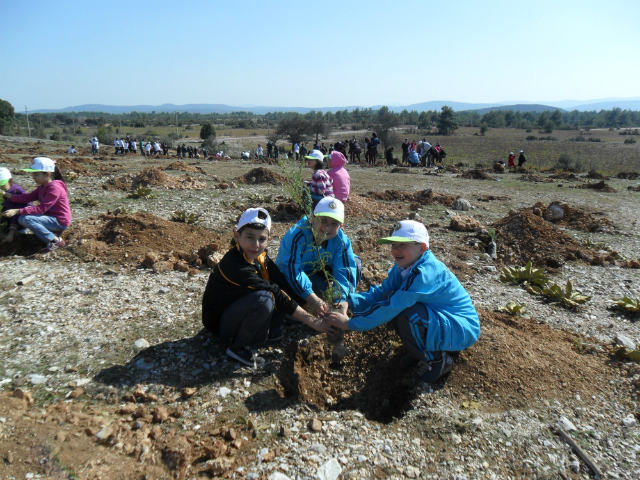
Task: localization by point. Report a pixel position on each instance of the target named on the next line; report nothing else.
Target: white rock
(362, 458)
(253, 476)
(623, 340)
(330, 470)
(278, 476)
(456, 439)
(82, 381)
(142, 364)
(565, 424)
(629, 421)
(36, 379)
(318, 448)
(411, 472)
(461, 204)
(223, 392)
(141, 343)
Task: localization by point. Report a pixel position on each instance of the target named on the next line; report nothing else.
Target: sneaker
(429, 372)
(246, 355)
(408, 361)
(276, 334)
(54, 245)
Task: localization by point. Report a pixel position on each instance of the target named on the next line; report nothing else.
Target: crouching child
(429, 308)
(245, 290)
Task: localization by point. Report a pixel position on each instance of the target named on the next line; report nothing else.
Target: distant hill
(517, 108)
(623, 104)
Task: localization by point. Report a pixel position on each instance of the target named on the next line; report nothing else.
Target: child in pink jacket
(341, 178)
(53, 215)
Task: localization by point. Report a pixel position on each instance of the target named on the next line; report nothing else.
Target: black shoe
(408, 361)
(276, 334)
(247, 356)
(429, 372)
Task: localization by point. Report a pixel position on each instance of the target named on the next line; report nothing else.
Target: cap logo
(396, 226)
(332, 205)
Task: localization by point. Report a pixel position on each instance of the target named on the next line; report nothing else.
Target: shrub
(483, 129)
(528, 130)
(594, 139)
(531, 138)
(579, 138)
(630, 140)
(207, 131)
(567, 162)
(549, 139)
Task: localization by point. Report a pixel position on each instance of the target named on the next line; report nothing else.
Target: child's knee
(24, 220)
(263, 300)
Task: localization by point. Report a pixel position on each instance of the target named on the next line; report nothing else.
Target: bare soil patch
(261, 175)
(628, 175)
(127, 239)
(491, 198)
(600, 187)
(22, 245)
(516, 361)
(595, 176)
(532, 177)
(476, 175)
(74, 165)
(423, 197)
(576, 218)
(185, 167)
(401, 170)
(570, 177)
(152, 177)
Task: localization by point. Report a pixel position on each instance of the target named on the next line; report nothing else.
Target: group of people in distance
(417, 154)
(250, 298)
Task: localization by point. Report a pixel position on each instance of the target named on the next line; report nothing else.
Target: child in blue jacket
(298, 257)
(431, 310)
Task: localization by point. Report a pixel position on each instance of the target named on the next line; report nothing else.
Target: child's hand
(11, 212)
(338, 320)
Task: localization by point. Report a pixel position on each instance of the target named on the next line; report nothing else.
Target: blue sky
(310, 53)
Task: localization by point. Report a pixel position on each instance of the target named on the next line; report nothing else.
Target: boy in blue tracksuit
(431, 310)
(298, 257)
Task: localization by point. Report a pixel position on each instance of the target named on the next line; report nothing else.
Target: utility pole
(178, 134)
(27, 112)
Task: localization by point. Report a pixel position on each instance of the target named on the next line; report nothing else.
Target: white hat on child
(41, 164)
(315, 155)
(407, 231)
(330, 207)
(5, 176)
(252, 215)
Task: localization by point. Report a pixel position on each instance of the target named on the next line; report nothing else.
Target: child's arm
(50, 200)
(313, 322)
(292, 271)
(22, 197)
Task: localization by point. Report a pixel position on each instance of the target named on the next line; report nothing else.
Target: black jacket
(235, 277)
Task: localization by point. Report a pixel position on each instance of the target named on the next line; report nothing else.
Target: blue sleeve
(343, 264)
(291, 250)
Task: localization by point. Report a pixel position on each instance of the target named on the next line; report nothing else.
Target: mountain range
(481, 108)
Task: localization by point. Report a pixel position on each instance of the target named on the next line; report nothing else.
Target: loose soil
(185, 167)
(532, 177)
(595, 176)
(401, 170)
(23, 245)
(126, 239)
(423, 197)
(523, 236)
(600, 187)
(515, 362)
(476, 175)
(628, 175)
(152, 177)
(490, 198)
(262, 175)
(74, 165)
(571, 177)
(577, 218)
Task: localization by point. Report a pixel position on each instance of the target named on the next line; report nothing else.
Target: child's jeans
(42, 226)
(246, 321)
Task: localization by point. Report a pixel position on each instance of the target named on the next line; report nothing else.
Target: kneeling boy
(305, 241)
(245, 289)
(431, 310)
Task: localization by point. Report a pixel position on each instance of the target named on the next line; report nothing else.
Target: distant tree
(447, 122)
(556, 118)
(6, 115)
(207, 131)
(295, 129)
(483, 129)
(542, 119)
(385, 125)
(319, 127)
(549, 126)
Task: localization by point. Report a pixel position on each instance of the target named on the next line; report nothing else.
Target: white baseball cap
(5, 176)
(330, 207)
(315, 155)
(407, 231)
(252, 215)
(41, 164)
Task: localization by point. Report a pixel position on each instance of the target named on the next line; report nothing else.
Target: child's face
(252, 241)
(6, 186)
(310, 163)
(40, 177)
(407, 253)
(326, 228)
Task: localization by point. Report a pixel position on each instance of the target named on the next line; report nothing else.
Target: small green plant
(260, 199)
(625, 353)
(527, 274)
(141, 192)
(555, 293)
(123, 210)
(512, 308)
(492, 234)
(588, 242)
(627, 304)
(183, 216)
(85, 201)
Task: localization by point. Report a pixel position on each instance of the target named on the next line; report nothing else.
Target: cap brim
(309, 157)
(4, 182)
(330, 215)
(395, 240)
(31, 170)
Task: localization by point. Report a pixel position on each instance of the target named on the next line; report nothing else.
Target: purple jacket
(9, 204)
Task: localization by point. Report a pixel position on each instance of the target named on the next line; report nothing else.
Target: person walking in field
(296, 150)
(511, 161)
(373, 156)
(276, 150)
(521, 158)
(269, 149)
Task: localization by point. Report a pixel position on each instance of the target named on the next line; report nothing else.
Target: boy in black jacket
(244, 292)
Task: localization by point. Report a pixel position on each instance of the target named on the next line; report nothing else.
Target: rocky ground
(106, 371)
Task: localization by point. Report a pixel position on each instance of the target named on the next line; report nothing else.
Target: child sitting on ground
(298, 256)
(9, 186)
(53, 215)
(321, 184)
(430, 309)
(245, 291)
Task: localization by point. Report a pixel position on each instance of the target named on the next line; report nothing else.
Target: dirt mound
(628, 175)
(423, 197)
(22, 245)
(185, 167)
(634, 189)
(489, 198)
(476, 175)
(515, 361)
(358, 206)
(152, 177)
(262, 175)
(532, 177)
(400, 170)
(575, 218)
(600, 187)
(127, 239)
(595, 176)
(67, 165)
(452, 168)
(524, 236)
(571, 177)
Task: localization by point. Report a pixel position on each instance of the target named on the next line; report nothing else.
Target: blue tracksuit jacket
(453, 322)
(297, 259)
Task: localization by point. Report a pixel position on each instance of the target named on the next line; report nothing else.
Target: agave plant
(512, 308)
(625, 353)
(527, 274)
(595, 245)
(260, 199)
(627, 304)
(567, 296)
(123, 210)
(141, 192)
(183, 216)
